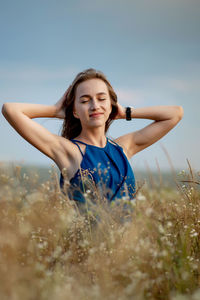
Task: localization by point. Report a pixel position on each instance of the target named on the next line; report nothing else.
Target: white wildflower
(159, 265)
(57, 252)
(182, 172)
(163, 253)
(169, 224)
(161, 229)
(194, 234)
(149, 211)
(141, 197)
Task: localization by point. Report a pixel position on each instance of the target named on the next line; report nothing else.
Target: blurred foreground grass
(48, 250)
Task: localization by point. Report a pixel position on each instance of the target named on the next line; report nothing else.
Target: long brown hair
(71, 127)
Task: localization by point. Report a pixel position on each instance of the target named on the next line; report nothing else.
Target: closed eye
(101, 99)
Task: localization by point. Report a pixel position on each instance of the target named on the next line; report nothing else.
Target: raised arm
(20, 116)
(165, 118)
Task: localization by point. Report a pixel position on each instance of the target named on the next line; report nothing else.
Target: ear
(75, 114)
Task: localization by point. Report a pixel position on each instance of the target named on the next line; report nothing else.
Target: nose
(94, 104)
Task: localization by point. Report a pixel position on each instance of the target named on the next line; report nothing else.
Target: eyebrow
(101, 93)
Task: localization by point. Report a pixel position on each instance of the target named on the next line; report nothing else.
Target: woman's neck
(96, 139)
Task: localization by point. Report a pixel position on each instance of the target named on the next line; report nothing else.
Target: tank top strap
(114, 143)
(75, 142)
(78, 141)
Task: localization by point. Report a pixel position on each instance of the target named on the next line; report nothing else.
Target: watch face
(128, 113)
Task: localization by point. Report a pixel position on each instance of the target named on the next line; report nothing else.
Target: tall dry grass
(49, 249)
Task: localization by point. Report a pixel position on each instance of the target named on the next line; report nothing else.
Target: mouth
(95, 115)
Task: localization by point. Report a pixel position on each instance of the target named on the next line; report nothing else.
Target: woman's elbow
(179, 112)
(4, 109)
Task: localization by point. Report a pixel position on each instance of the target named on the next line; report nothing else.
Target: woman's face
(92, 103)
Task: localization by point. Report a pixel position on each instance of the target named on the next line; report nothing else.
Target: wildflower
(137, 248)
(169, 224)
(141, 197)
(163, 238)
(125, 198)
(57, 252)
(149, 211)
(161, 229)
(181, 173)
(42, 245)
(163, 253)
(194, 234)
(25, 176)
(190, 258)
(194, 266)
(39, 267)
(49, 273)
(92, 250)
(159, 265)
(102, 246)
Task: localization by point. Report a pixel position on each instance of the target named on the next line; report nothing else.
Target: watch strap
(128, 113)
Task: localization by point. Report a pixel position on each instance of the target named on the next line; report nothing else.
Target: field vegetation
(144, 249)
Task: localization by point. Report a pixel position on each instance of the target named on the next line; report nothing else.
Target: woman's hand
(121, 114)
(60, 107)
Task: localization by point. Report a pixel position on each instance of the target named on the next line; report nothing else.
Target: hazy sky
(148, 49)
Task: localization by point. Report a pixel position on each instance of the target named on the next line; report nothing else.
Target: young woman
(93, 162)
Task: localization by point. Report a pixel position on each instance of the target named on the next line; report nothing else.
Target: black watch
(128, 113)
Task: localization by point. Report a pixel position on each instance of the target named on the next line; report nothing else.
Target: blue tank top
(106, 169)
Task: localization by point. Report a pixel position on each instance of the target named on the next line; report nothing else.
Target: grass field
(49, 250)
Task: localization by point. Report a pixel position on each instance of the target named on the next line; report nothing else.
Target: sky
(148, 49)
